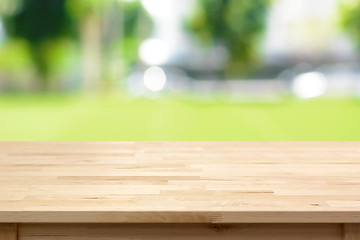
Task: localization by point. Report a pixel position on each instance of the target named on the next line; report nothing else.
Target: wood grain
(352, 231)
(8, 231)
(181, 231)
(180, 182)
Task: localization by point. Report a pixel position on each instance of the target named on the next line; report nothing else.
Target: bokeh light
(310, 85)
(155, 78)
(158, 8)
(154, 51)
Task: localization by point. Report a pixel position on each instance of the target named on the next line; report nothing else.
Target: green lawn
(73, 118)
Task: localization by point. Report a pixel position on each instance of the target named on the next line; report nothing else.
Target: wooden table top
(162, 182)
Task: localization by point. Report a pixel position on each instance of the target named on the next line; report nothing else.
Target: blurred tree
(109, 33)
(236, 23)
(39, 22)
(122, 42)
(350, 12)
(88, 15)
(137, 26)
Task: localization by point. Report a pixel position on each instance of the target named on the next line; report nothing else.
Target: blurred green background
(179, 70)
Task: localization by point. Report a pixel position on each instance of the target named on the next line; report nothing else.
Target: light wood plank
(352, 231)
(181, 231)
(8, 231)
(183, 182)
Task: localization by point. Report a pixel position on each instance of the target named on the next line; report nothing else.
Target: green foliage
(132, 13)
(81, 8)
(40, 23)
(14, 57)
(350, 12)
(133, 17)
(39, 20)
(137, 25)
(236, 23)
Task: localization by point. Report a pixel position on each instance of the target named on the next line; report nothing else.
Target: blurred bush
(350, 12)
(238, 24)
(41, 23)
